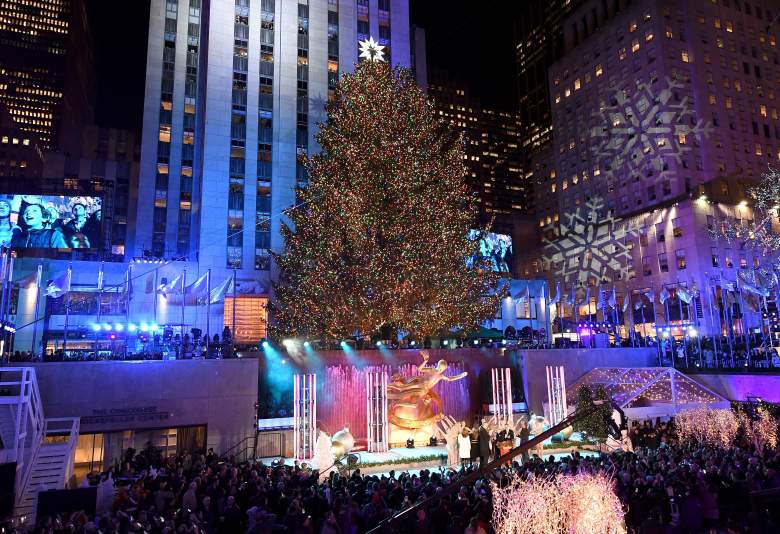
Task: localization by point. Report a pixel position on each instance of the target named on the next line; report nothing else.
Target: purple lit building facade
(663, 113)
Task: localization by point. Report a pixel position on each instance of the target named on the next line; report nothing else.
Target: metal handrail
(455, 485)
(230, 450)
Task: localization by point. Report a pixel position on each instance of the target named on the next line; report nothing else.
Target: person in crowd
(74, 228)
(7, 229)
(36, 235)
(664, 489)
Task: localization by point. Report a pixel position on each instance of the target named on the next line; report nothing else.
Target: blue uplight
(96, 327)
(265, 344)
(132, 327)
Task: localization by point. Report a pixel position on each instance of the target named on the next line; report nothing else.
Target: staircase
(43, 449)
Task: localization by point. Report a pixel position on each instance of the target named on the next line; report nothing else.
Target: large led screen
(50, 222)
(495, 248)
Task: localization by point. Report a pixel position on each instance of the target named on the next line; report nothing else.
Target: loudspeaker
(7, 488)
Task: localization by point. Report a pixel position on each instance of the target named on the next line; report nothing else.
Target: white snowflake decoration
(587, 245)
(640, 132)
(371, 50)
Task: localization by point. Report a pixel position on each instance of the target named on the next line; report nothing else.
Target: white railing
(19, 391)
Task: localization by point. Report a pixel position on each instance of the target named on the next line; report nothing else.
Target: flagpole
(618, 337)
(37, 306)
(715, 341)
(682, 322)
(183, 298)
(9, 284)
(743, 321)
(208, 309)
(575, 312)
(5, 259)
(67, 311)
(156, 295)
(101, 274)
(233, 324)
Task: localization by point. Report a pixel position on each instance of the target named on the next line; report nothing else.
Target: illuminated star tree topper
(383, 240)
(371, 50)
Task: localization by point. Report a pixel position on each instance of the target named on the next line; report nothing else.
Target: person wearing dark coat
(484, 443)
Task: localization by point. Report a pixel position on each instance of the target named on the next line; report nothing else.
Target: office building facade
(493, 158)
(662, 117)
(45, 69)
(234, 90)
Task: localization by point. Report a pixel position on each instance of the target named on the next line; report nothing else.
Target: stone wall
(115, 395)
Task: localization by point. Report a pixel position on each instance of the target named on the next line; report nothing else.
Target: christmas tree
(381, 237)
(759, 233)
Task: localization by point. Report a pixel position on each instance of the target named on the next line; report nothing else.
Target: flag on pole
(650, 296)
(663, 296)
(557, 298)
(59, 286)
(523, 295)
(600, 301)
(173, 287)
(626, 302)
(572, 297)
(612, 299)
(684, 295)
(199, 288)
(218, 293)
(100, 277)
(30, 280)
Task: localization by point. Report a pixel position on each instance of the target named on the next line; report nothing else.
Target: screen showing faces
(50, 222)
(495, 249)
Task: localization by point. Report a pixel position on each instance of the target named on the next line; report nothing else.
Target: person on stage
(464, 447)
(505, 439)
(524, 434)
(484, 443)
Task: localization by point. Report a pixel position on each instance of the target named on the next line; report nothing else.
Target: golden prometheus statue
(412, 400)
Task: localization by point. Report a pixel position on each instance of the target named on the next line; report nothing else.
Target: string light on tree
(384, 239)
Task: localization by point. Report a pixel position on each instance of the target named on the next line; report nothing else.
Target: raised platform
(401, 459)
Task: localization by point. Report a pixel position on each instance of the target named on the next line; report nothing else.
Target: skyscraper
(493, 157)
(234, 89)
(662, 118)
(45, 80)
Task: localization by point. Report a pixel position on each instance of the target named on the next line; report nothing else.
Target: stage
(409, 460)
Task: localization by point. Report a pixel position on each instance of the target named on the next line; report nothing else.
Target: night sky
(475, 44)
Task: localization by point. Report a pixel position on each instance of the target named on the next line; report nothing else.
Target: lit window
(5, 139)
(622, 53)
(685, 57)
(729, 26)
(712, 99)
(557, 99)
(632, 26)
(565, 185)
(669, 33)
(553, 187)
(762, 110)
(717, 22)
(729, 103)
(567, 92)
(577, 84)
(165, 133)
(648, 36)
(635, 45)
(681, 138)
(599, 70)
(759, 150)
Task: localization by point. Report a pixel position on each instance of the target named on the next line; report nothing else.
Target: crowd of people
(665, 487)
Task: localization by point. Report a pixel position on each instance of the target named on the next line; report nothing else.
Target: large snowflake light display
(641, 132)
(589, 244)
